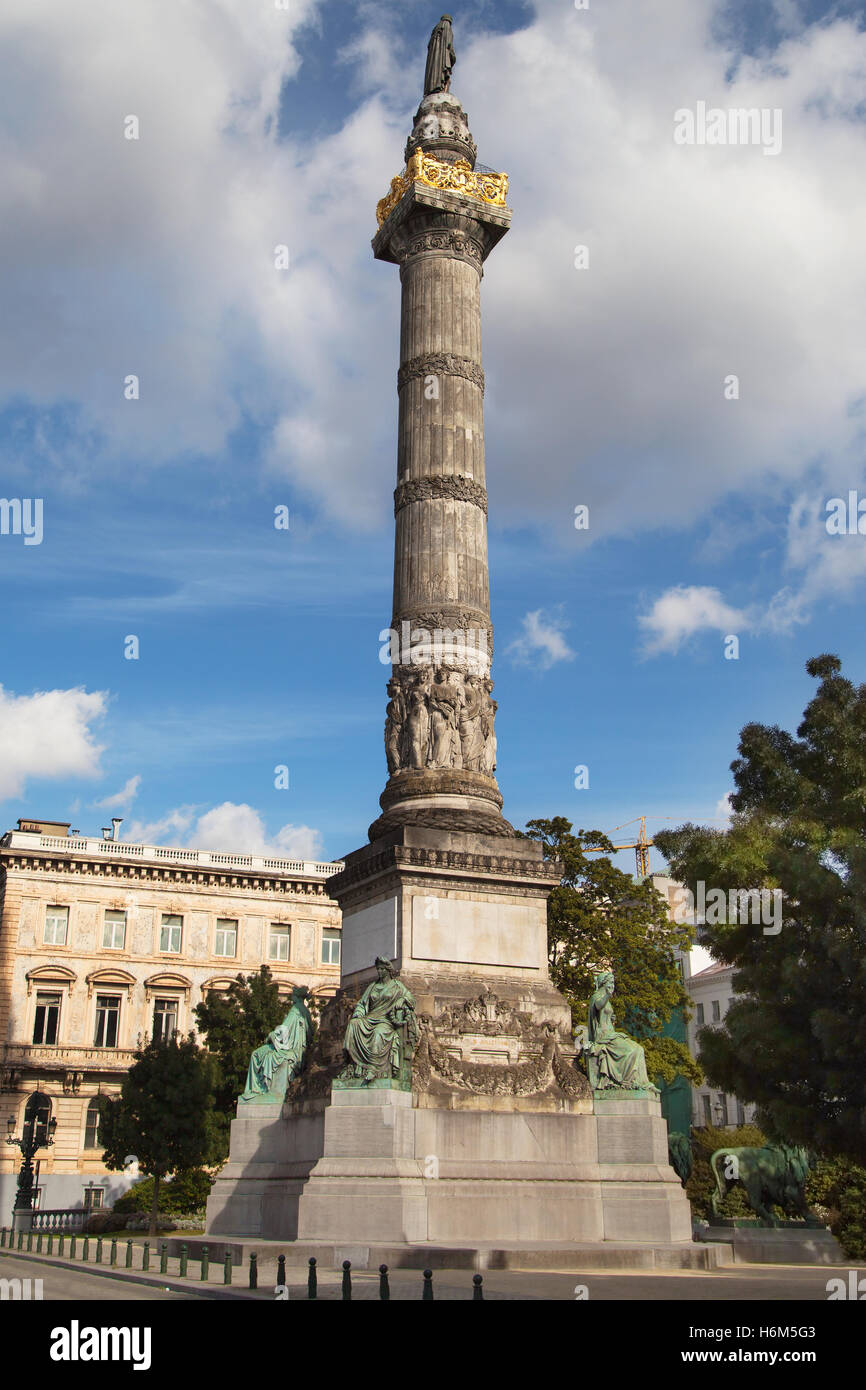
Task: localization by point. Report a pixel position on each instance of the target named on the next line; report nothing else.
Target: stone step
(552, 1256)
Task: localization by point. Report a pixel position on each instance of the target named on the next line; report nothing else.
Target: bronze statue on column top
(440, 58)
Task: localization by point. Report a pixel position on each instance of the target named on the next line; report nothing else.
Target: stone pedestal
(372, 1167)
(460, 913)
(789, 1245)
(499, 1139)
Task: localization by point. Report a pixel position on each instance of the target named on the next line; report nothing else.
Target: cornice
(158, 874)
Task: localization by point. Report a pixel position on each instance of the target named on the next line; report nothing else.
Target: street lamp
(35, 1135)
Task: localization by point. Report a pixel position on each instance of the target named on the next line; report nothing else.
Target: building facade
(104, 944)
(711, 991)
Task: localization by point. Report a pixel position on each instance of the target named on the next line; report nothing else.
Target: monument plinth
(480, 1128)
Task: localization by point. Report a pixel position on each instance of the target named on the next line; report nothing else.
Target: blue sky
(261, 388)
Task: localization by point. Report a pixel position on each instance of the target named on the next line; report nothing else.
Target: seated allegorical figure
(383, 1029)
(273, 1065)
(614, 1061)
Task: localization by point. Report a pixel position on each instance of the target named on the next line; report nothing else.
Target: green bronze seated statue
(614, 1061)
(273, 1065)
(382, 1033)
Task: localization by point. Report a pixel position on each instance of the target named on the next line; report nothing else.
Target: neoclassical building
(105, 943)
(710, 986)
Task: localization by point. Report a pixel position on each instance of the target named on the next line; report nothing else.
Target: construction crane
(641, 846)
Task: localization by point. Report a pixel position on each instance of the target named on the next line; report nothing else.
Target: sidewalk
(733, 1283)
(365, 1283)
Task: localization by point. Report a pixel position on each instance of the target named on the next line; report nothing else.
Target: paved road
(60, 1285)
(755, 1283)
(751, 1283)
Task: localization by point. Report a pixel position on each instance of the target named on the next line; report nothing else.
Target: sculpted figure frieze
(440, 719)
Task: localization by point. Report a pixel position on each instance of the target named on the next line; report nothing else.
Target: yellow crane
(641, 846)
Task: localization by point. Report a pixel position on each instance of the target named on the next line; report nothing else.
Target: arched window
(91, 1126)
(37, 1113)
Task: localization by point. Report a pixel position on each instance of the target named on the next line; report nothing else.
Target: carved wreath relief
(440, 719)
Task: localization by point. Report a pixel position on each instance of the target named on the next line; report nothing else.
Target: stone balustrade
(119, 849)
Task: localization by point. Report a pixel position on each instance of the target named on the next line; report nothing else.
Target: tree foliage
(837, 1190)
(234, 1024)
(186, 1192)
(599, 918)
(794, 1038)
(164, 1114)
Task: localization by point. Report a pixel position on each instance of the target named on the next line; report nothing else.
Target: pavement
(63, 1285)
(64, 1279)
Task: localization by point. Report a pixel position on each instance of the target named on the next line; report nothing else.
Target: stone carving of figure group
(441, 719)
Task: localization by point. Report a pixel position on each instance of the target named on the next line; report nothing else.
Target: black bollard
(312, 1281)
(205, 1263)
(347, 1281)
(227, 1267)
(281, 1270)
(99, 1250)
(163, 1258)
(384, 1288)
(128, 1253)
(184, 1255)
(254, 1271)
(427, 1295)
(145, 1255)
(477, 1292)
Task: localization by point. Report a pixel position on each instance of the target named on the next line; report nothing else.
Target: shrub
(140, 1221)
(102, 1221)
(837, 1190)
(185, 1192)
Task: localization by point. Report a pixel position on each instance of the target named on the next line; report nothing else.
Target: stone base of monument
(784, 1245)
(370, 1168)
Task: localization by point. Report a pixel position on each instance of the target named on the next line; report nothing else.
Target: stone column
(439, 224)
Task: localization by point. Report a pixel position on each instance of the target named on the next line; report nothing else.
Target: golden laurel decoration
(459, 177)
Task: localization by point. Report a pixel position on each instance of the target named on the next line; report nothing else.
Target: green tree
(186, 1192)
(234, 1024)
(794, 1038)
(837, 1189)
(598, 917)
(164, 1114)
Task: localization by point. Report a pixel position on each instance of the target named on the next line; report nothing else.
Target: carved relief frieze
(441, 364)
(440, 719)
(452, 485)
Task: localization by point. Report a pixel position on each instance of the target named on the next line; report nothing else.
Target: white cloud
(541, 643)
(724, 809)
(48, 735)
(231, 828)
(123, 798)
(609, 374)
(681, 612)
(822, 566)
